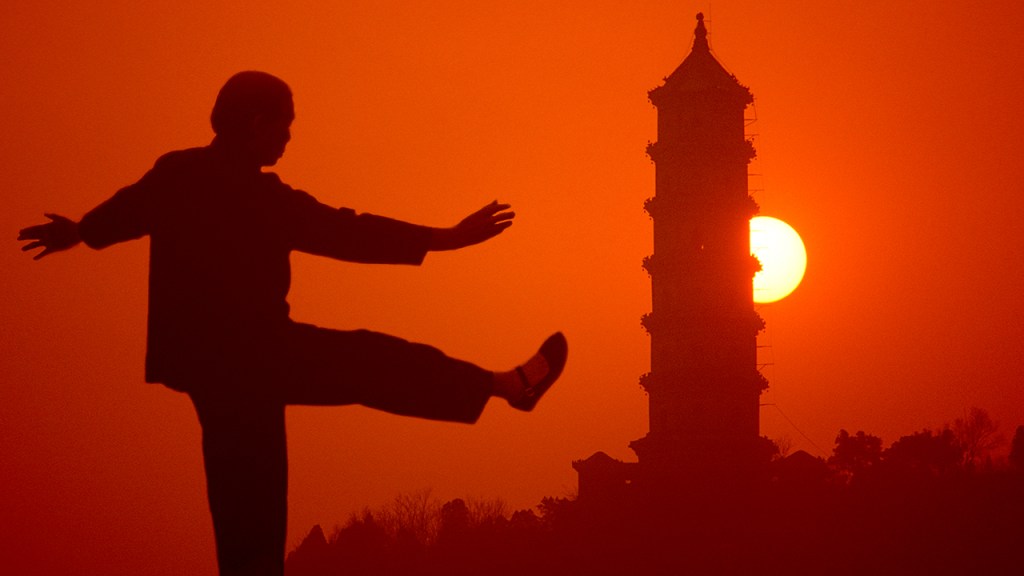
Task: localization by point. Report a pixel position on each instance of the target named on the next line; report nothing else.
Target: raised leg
(331, 367)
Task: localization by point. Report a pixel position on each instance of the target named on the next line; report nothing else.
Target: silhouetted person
(221, 231)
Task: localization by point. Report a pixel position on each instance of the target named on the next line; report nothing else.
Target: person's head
(253, 113)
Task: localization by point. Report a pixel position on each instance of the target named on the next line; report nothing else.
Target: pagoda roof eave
(701, 72)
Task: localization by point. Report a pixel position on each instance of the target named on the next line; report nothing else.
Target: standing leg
(245, 456)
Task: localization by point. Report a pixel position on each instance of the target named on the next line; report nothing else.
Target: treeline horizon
(932, 502)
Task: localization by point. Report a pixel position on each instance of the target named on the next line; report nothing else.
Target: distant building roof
(801, 466)
(603, 480)
(598, 462)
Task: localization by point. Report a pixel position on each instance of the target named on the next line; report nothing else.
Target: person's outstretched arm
(58, 234)
(343, 234)
(124, 216)
(482, 225)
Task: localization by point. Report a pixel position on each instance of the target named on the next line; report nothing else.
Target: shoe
(554, 350)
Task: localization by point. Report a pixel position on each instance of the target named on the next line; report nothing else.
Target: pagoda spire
(700, 35)
(700, 72)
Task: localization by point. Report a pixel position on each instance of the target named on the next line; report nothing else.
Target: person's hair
(244, 97)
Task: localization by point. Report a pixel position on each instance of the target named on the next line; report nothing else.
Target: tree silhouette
(910, 508)
(312, 556)
(414, 517)
(1017, 449)
(855, 455)
(925, 453)
(977, 434)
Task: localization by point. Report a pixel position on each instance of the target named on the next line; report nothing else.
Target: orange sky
(887, 134)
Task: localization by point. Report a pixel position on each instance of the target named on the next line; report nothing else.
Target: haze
(887, 135)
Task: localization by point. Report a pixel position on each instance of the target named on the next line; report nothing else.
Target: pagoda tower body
(704, 385)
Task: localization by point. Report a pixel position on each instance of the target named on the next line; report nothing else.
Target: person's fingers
(41, 254)
(492, 231)
(490, 218)
(502, 220)
(30, 233)
(497, 230)
(493, 208)
(31, 246)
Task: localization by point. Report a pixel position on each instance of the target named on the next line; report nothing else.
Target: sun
(782, 255)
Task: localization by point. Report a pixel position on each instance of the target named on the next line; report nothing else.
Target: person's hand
(59, 234)
(484, 224)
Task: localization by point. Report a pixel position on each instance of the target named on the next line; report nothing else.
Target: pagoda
(704, 385)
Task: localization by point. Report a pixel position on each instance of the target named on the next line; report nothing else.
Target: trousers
(243, 434)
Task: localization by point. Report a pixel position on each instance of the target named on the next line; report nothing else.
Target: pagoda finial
(700, 41)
